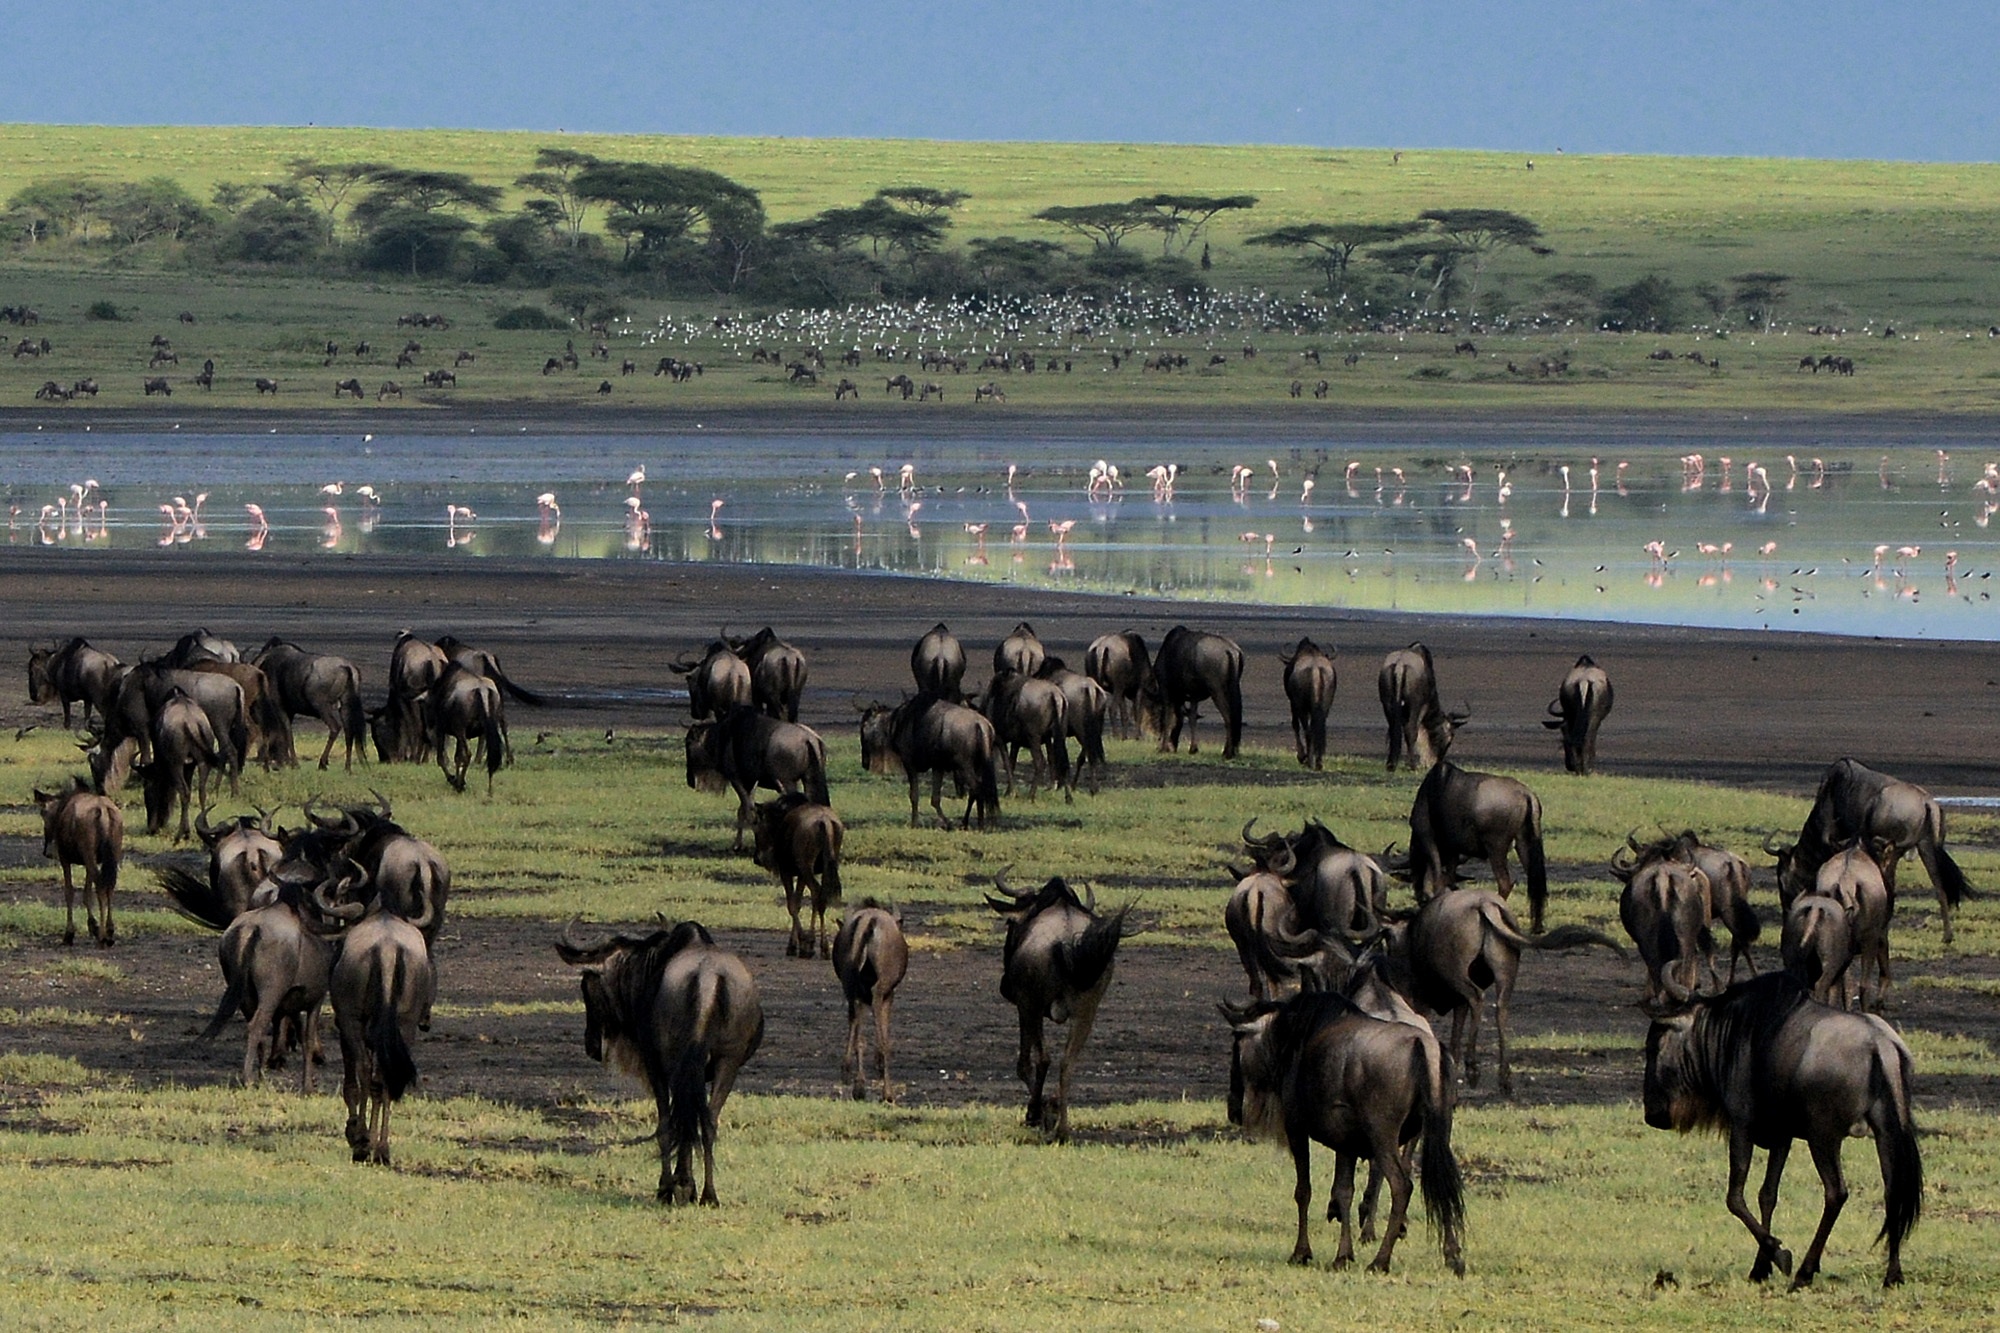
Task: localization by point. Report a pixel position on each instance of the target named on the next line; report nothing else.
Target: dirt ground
(1764, 710)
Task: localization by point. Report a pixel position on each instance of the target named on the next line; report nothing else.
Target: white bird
(331, 488)
(638, 477)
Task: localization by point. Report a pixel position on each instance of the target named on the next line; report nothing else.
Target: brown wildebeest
(938, 663)
(717, 681)
(1459, 815)
(1315, 1068)
(184, 745)
(777, 673)
(321, 686)
(158, 384)
(73, 673)
(1020, 651)
(1310, 683)
(870, 957)
(465, 707)
(683, 1013)
(1026, 711)
(383, 986)
(1119, 663)
(241, 855)
(798, 840)
(1767, 1064)
(933, 735)
(265, 384)
(1085, 705)
(1055, 967)
(80, 828)
(1853, 878)
(1579, 709)
(276, 969)
(1664, 908)
(1420, 731)
(744, 750)
(1818, 947)
(1193, 666)
(349, 386)
(389, 389)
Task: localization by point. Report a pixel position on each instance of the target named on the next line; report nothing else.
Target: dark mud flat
(1158, 1036)
(1737, 707)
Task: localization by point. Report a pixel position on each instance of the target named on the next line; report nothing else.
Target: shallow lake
(1794, 535)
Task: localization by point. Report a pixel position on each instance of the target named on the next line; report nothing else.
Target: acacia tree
(1330, 247)
(1183, 217)
(924, 201)
(1107, 225)
(408, 212)
(1429, 263)
(562, 209)
(1758, 295)
(653, 205)
(329, 183)
(1480, 233)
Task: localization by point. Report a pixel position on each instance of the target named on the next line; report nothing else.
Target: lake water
(1416, 528)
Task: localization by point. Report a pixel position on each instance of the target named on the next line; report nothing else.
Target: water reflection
(1858, 540)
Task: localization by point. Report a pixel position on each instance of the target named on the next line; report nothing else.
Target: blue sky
(1825, 78)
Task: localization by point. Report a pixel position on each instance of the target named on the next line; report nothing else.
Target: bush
(102, 310)
(529, 317)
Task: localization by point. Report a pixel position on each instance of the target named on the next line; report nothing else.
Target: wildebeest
(1192, 666)
(198, 645)
(1055, 967)
(383, 986)
(1119, 663)
(276, 968)
(81, 828)
(673, 1008)
(72, 673)
(270, 726)
(1765, 1064)
(1665, 909)
(1728, 900)
(320, 686)
(1457, 947)
(241, 853)
(184, 745)
(1263, 924)
(487, 665)
(348, 386)
(717, 681)
(1853, 878)
(1310, 682)
(1316, 1069)
(1818, 946)
(930, 734)
(1020, 651)
(870, 957)
(1335, 888)
(145, 688)
(158, 384)
(743, 750)
(798, 840)
(777, 673)
(1419, 727)
(938, 663)
(1459, 815)
(401, 729)
(403, 873)
(464, 707)
(1026, 711)
(1085, 704)
(1854, 801)
(1578, 710)
(265, 384)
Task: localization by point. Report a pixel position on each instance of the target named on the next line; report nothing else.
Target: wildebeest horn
(381, 802)
(1624, 863)
(1090, 899)
(574, 949)
(1555, 708)
(1268, 840)
(338, 911)
(1771, 847)
(201, 826)
(1283, 859)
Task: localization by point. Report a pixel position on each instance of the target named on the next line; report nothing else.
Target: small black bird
(22, 734)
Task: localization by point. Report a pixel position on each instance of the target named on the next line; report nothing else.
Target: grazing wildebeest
(938, 663)
(1458, 946)
(352, 386)
(265, 384)
(184, 744)
(199, 645)
(158, 384)
(276, 968)
(80, 828)
(1310, 682)
(1765, 1064)
(465, 707)
(141, 693)
(1119, 663)
(320, 686)
(1026, 711)
(798, 840)
(1419, 727)
(383, 986)
(1818, 947)
(934, 735)
(241, 854)
(1316, 1068)
(1055, 967)
(1854, 878)
(1854, 801)
(1578, 710)
(1459, 815)
(72, 673)
(1020, 651)
(777, 673)
(1665, 909)
(677, 1010)
(743, 750)
(1192, 666)
(401, 729)
(717, 682)
(870, 957)
(1085, 704)
(270, 726)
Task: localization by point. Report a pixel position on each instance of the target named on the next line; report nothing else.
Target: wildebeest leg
(332, 735)
(1769, 1251)
(725, 1079)
(850, 1059)
(937, 801)
(1301, 1146)
(1465, 1039)
(669, 1150)
(1503, 883)
(1826, 1156)
(1033, 1066)
(69, 907)
(1193, 720)
(795, 946)
(308, 1026)
(356, 1073)
(1503, 990)
(744, 792)
(1339, 1206)
(1081, 1019)
(1388, 1162)
(260, 1044)
(881, 1007)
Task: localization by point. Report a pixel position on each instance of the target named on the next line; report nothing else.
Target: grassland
(1869, 245)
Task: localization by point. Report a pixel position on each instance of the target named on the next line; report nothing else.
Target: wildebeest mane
(1741, 1024)
(1303, 1015)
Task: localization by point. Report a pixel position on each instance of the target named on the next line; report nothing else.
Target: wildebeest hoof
(1302, 1255)
(1894, 1277)
(708, 1200)
(860, 1093)
(69, 936)
(1379, 1266)
(1803, 1280)
(1343, 1261)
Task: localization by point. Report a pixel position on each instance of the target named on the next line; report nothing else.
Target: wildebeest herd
(1335, 1044)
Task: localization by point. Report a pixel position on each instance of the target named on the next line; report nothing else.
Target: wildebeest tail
(1743, 924)
(394, 1064)
(1233, 704)
(1943, 870)
(1084, 960)
(1537, 866)
(233, 993)
(986, 789)
(272, 725)
(528, 697)
(1437, 1165)
(686, 1119)
(190, 895)
(815, 783)
(496, 744)
(1091, 743)
(1896, 1142)
(354, 721)
(829, 859)
(1568, 937)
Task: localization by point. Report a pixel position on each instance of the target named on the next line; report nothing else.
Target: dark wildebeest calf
(1459, 815)
(743, 750)
(870, 957)
(80, 828)
(1579, 709)
(1765, 1064)
(1055, 967)
(677, 1010)
(1310, 682)
(798, 840)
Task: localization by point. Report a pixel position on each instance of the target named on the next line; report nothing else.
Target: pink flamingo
(330, 531)
(714, 529)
